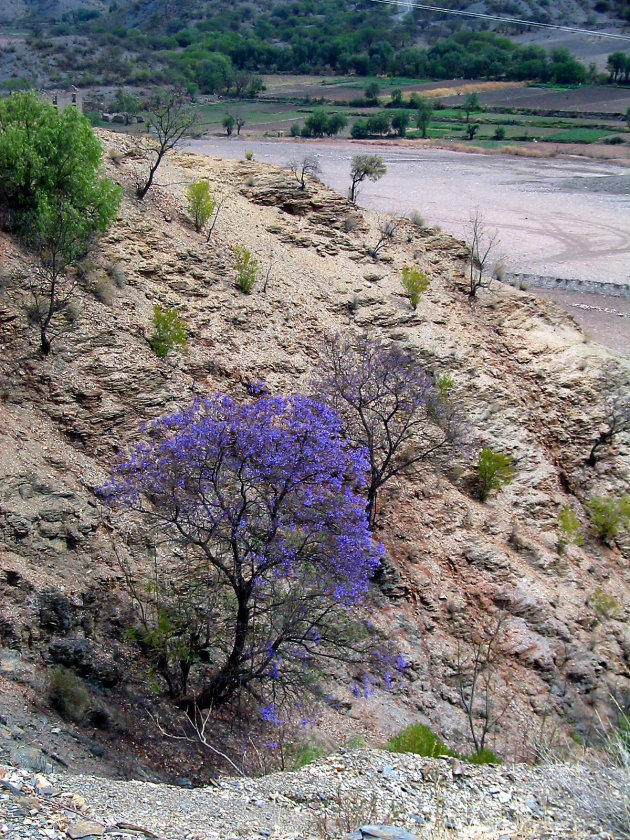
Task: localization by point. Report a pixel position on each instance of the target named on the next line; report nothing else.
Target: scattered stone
(31, 757)
(85, 828)
(381, 832)
(456, 768)
(43, 786)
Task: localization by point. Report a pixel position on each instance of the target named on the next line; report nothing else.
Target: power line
(461, 13)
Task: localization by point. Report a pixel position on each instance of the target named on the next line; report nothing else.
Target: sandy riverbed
(556, 218)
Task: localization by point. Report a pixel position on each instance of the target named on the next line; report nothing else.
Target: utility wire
(461, 13)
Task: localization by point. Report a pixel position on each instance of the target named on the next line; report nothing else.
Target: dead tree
(476, 682)
(309, 165)
(217, 210)
(170, 120)
(481, 246)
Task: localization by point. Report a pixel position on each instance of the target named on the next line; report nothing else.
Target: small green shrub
(484, 756)
(568, 532)
(299, 755)
(499, 133)
(415, 283)
(604, 604)
(609, 515)
(355, 742)
(68, 695)
(418, 739)
(246, 268)
(444, 385)
(494, 470)
(200, 203)
(249, 155)
(295, 130)
(170, 331)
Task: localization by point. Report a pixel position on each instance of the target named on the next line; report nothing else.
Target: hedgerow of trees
(225, 52)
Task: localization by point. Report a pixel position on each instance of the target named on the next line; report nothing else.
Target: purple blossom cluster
(268, 496)
(388, 404)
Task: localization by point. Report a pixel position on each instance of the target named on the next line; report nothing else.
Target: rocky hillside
(529, 382)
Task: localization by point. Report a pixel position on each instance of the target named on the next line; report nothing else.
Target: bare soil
(603, 99)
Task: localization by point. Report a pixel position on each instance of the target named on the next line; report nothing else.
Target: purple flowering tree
(267, 547)
(388, 405)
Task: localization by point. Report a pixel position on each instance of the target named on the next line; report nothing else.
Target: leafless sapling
(387, 233)
(170, 120)
(476, 682)
(309, 165)
(481, 245)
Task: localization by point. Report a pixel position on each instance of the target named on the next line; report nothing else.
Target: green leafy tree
(378, 123)
(423, 115)
(335, 124)
(400, 121)
(415, 283)
(371, 93)
(359, 130)
(370, 167)
(228, 124)
(471, 104)
(568, 531)
(317, 123)
(53, 195)
(247, 268)
(170, 331)
(471, 130)
(616, 65)
(397, 99)
(126, 104)
(201, 205)
(494, 471)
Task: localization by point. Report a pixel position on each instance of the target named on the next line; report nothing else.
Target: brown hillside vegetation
(527, 378)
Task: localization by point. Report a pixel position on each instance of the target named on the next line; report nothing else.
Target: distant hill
(94, 42)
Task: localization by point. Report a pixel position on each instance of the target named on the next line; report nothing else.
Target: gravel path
(431, 798)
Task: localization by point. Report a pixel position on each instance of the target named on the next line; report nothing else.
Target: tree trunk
(603, 438)
(142, 191)
(224, 685)
(45, 341)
